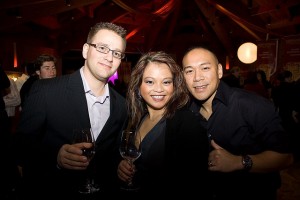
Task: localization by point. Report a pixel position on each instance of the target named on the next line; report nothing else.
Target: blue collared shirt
(99, 107)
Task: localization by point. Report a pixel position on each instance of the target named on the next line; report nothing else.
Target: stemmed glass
(130, 149)
(86, 135)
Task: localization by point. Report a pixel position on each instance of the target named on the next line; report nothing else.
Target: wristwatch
(247, 162)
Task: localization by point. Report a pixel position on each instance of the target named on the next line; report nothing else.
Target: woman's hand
(125, 171)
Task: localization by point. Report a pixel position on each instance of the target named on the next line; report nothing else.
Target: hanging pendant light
(247, 53)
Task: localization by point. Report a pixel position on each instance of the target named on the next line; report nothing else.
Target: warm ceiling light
(247, 53)
(68, 3)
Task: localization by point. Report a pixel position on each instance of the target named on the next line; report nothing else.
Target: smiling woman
(156, 101)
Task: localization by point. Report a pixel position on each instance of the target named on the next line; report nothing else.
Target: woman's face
(157, 85)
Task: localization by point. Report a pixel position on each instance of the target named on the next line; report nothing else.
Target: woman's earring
(139, 96)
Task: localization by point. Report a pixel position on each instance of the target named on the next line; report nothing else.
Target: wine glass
(130, 149)
(86, 135)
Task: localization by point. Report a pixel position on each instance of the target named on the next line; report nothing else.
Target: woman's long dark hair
(136, 105)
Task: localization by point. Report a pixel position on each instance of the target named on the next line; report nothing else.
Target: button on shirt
(99, 107)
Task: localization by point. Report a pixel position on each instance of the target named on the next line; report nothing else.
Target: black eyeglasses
(106, 50)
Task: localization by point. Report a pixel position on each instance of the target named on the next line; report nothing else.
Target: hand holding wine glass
(130, 149)
(86, 136)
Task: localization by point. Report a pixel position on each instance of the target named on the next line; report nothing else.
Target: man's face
(100, 65)
(202, 74)
(47, 70)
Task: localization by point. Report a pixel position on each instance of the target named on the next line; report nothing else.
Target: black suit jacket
(52, 110)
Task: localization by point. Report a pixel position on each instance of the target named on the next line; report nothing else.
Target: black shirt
(244, 123)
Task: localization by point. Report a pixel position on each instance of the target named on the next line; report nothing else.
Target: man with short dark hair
(52, 165)
(43, 67)
(249, 146)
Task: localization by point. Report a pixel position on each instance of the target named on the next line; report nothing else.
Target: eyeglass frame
(113, 51)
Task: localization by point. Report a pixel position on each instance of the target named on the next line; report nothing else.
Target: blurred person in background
(286, 99)
(12, 101)
(7, 167)
(233, 79)
(43, 67)
(262, 79)
(253, 83)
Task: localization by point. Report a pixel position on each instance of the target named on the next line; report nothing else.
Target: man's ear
(220, 71)
(85, 49)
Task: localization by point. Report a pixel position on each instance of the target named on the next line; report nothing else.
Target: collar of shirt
(101, 99)
(222, 96)
(223, 92)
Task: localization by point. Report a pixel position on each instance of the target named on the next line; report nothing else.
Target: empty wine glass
(86, 135)
(130, 149)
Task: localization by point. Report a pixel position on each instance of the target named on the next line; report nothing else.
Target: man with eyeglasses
(53, 165)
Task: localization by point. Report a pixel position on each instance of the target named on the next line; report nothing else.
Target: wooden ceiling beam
(216, 26)
(245, 24)
(35, 10)
(21, 3)
(284, 23)
(172, 25)
(272, 6)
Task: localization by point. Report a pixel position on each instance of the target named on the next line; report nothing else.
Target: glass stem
(130, 181)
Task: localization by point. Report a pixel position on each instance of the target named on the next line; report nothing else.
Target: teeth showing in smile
(158, 97)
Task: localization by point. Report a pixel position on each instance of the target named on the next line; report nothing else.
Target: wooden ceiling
(171, 25)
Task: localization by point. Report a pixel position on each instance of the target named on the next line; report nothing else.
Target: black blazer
(52, 110)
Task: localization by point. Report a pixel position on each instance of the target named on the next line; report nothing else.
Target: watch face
(247, 162)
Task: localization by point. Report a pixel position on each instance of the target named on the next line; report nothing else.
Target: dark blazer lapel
(76, 97)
